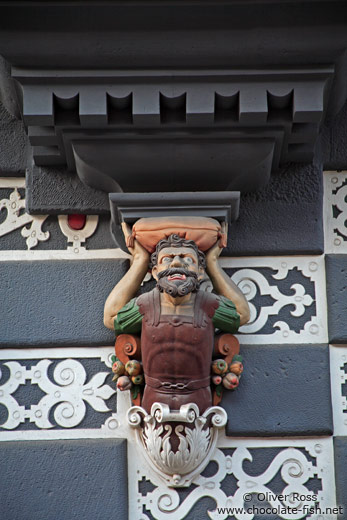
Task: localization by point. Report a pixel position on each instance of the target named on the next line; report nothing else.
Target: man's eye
(166, 259)
(188, 260)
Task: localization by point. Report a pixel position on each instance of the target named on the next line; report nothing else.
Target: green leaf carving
(135, 391)
(219, 390)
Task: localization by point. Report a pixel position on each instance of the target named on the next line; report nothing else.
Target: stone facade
(56, 380)
(65, 454)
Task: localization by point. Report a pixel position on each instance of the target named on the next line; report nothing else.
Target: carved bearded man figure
(176, 320)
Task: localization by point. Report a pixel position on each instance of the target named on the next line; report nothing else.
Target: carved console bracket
(167, 96)
(173, 130)
(197, 441)
(129, 207)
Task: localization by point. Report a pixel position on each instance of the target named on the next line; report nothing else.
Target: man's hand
(128, 286)
(222, 283)
(138, 252)
(214, 252)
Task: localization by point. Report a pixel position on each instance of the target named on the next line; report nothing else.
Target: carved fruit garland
(128, 376)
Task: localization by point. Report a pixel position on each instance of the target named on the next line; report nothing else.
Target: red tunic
(177, 352)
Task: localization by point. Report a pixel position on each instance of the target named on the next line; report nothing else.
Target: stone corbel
(197, 436)
(129, 207)
(176, 444)
(177, 437)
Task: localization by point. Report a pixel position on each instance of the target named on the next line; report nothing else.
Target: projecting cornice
(175, 96)
(165, 130)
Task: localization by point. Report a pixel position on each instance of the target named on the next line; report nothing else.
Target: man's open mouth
(177, 281)
(176, 276)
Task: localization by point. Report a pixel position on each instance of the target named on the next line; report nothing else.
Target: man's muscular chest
(183, 309)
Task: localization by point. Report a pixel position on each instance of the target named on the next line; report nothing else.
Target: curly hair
(176, 241)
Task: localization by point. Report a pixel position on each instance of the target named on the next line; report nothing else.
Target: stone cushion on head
(203, 231)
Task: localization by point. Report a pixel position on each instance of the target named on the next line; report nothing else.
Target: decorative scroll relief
(338, 378)
(303, 466)
(78, 237)
(292, 464)
(16, 218)
(294, 312)
(335, 211)
(66, 388)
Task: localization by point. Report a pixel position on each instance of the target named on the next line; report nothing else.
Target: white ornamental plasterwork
(31, 229)
(66, 392)
(253, 283)
(335, 211)
(78, 237)
(338, 379)
(17, 218)
(305, 466)
(299, 462)
(293, 463)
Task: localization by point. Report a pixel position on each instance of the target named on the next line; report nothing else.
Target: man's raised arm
(224, 286)
(128, 286)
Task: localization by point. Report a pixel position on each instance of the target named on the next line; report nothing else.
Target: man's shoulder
(208, 296)
(214, 303)
(214, 299)
(148, 300)
(207, 301)
(146, 296)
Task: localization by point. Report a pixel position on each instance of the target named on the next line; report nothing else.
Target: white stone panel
(338, 378)
(254, 284)
(68, 389)
(335, 212)
(298, 461)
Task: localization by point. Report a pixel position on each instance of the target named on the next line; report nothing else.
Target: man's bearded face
(177, 281)
(177, 271)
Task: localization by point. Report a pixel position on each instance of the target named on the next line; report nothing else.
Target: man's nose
(176, 261)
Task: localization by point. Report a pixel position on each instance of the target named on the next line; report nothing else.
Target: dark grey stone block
(268, 221)
(14, 145)
(285, 390)
(56, 303)
(13, 139)
(64, 480)
(336, 275)
(102, 238)
(333, 142)
(8, 97)
(57, 191)
(150, 160)
(129, 207)
(90, 36)
(283, 218)
(340, 453)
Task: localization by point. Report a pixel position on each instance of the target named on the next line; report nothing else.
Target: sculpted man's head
(178, 266)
